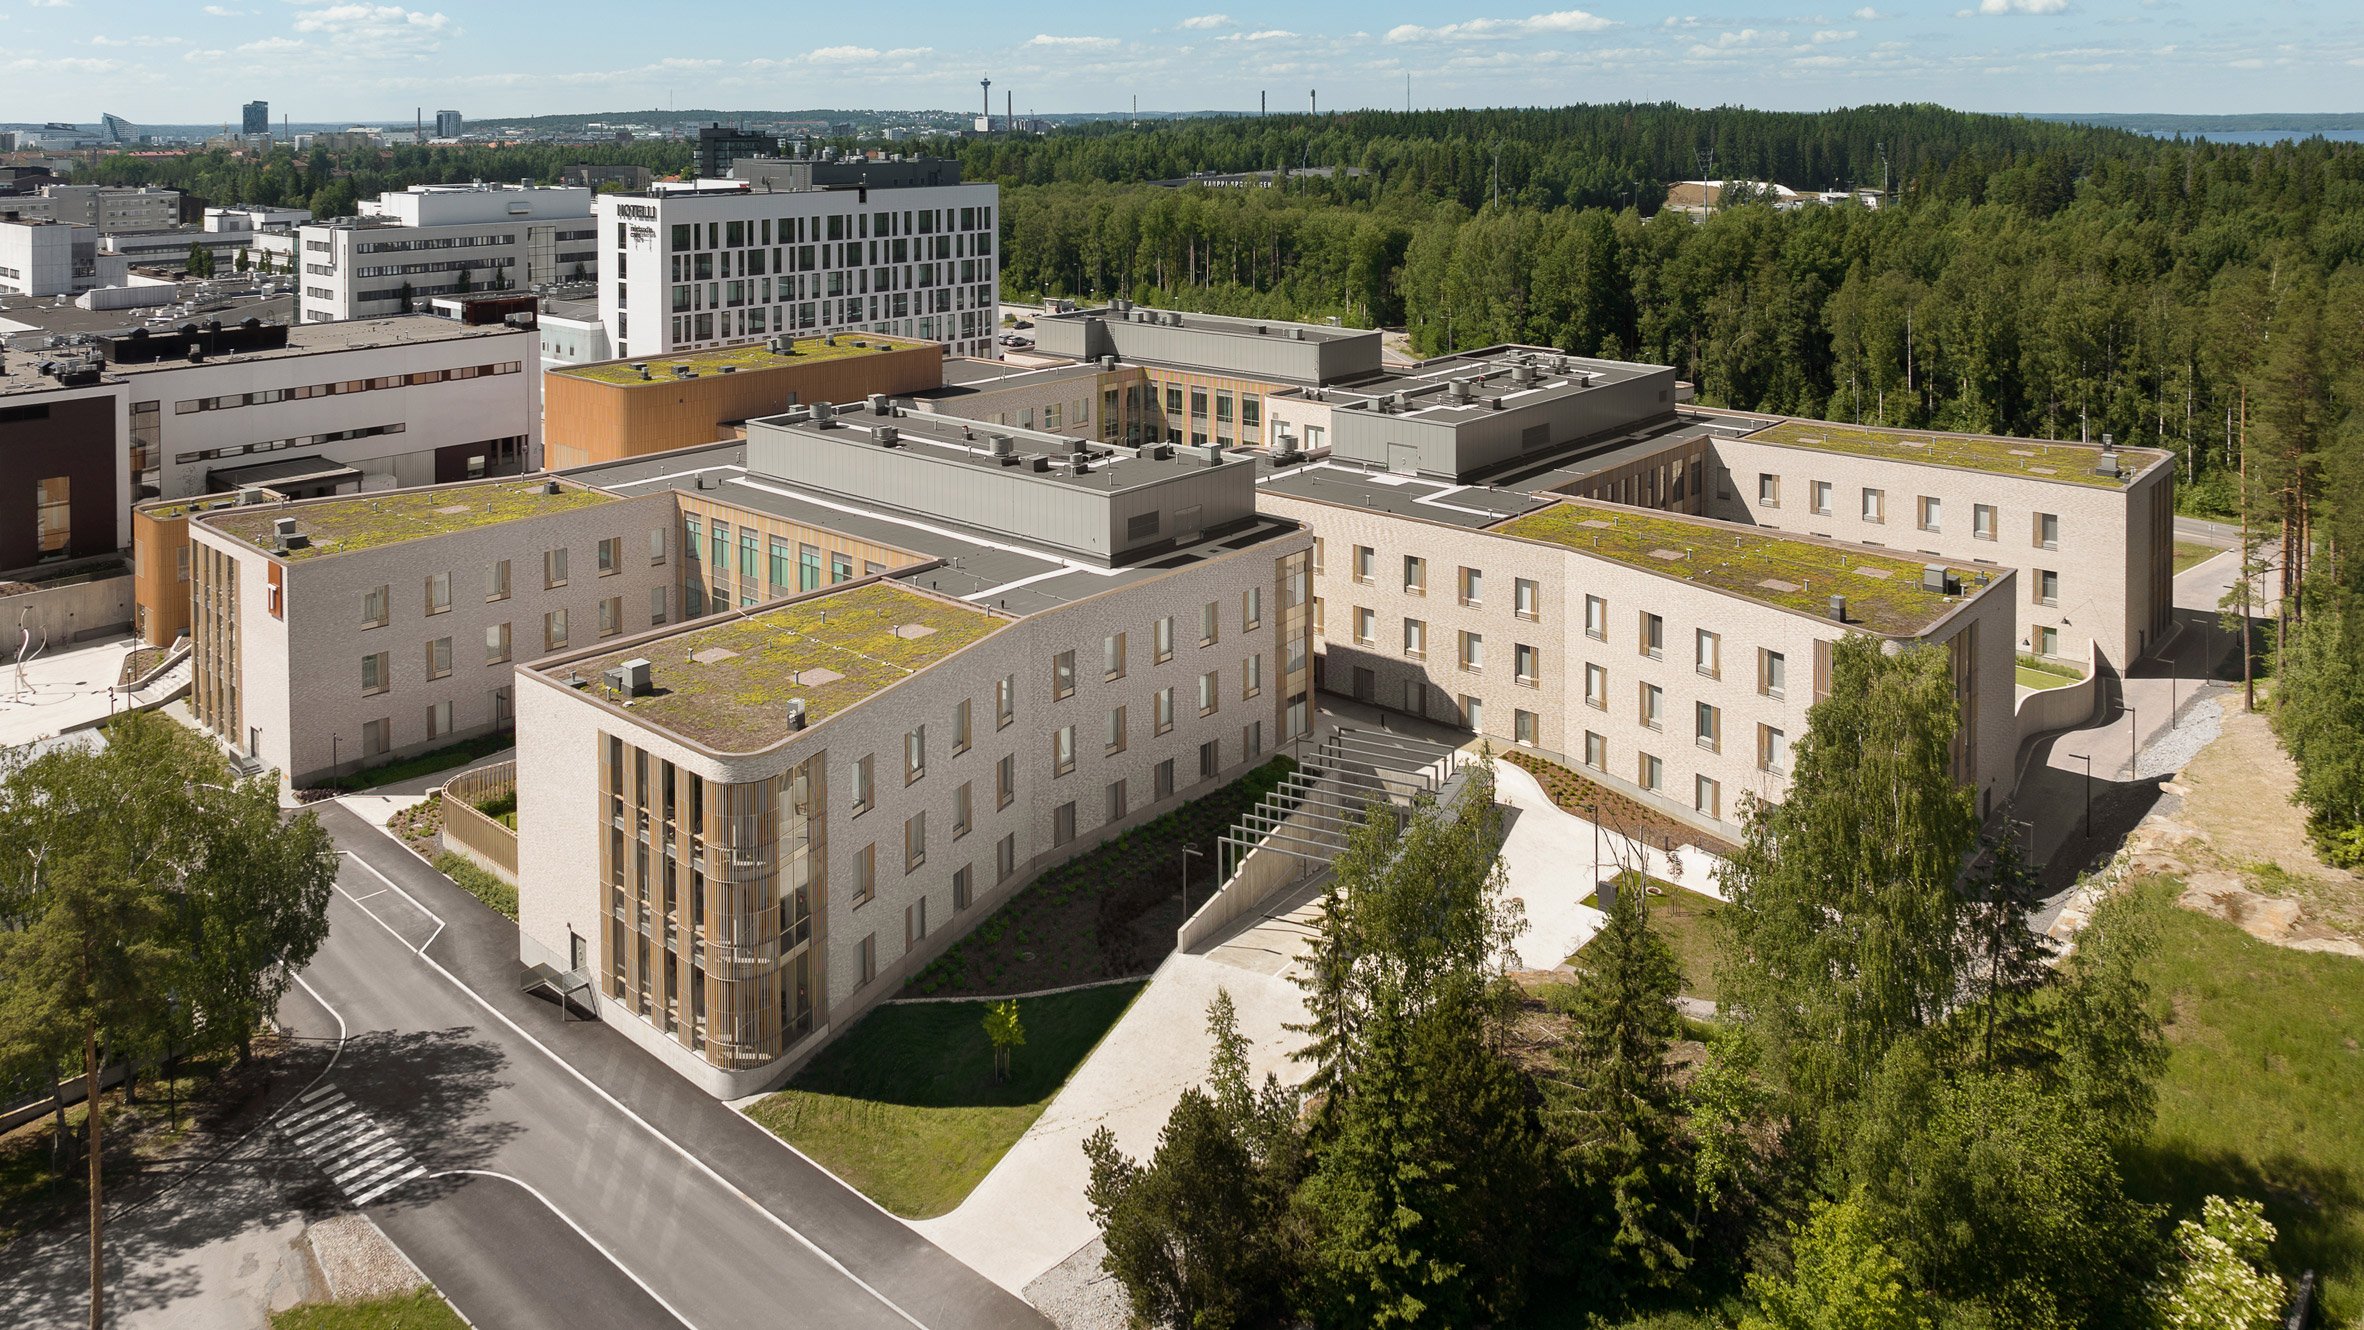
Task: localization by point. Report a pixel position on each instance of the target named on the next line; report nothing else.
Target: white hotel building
(725, 261)
(427, 237)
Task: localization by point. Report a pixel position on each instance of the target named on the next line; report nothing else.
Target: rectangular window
(778, 573)
(1473, 652)
(438, 592)
(866, 874)
(656, 545)
(496, 643)
(915, 753)
(1063, 823)
(554, 568)
(376, 677)
(1768, 489)
(1473, 712)
(1364, 557)
(656, 604)
(373, 607)
(1210, 759)
(1062, 750)
(1596, 751)
(915, 840)
(611, 555)
(961, 737)
(1062, 676)
(1251, 672)
(1652, 773)
(1115, 802)
(1415, 639)
(1005, 857)
(53, 513)
(1772, 749)
(1708, 651)
(2048, 531)
(2047, 587)
(865, 788)
(439, 719)
(1005, 701)
(1596, 687)
(1161, 641)
(963, 811)
(961, 890)
(1875, 505)
(915, 923)
(1526, 663)
(553, 630)
(1707, 796)
(1113, 740)
(377, 737)
(1596, 618)
(1005, 781)
(2047, 641)
(1820, 498)
(1653, 636)
(1526, 599)
(1473, 587)
(496, 581)
(1930, 512)
(1210, 623)
(1523, 725)
(1162, 717)
(1653, 707)
(611, 616)
(1415, 575)
(1112, 656)
(1708, 727)
(1366, 625)
(439, 658)
(1210, 692)
(866, 959)
(1162, 780)
(1251, 609)
(1982, 521)
(1772, 673)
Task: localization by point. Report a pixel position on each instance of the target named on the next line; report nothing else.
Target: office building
(64, 486)
(722, 262)
(447, 124)
(255, 119)
(616, 409)
(42, 258)
(720, 145)
(108, 209)
(430, 240)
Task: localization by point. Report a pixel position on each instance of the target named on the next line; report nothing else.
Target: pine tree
(2008, 961)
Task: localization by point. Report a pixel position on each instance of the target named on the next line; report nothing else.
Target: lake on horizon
(2252, 136)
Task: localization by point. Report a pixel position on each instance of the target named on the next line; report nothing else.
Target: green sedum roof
(1883, 592)
(388, 517)
(726, 683)
(740, 359)
(2035, 459)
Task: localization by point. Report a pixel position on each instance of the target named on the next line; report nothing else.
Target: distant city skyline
(315, 61)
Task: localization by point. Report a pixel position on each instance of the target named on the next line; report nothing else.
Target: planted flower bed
(1580, 795)
(1108, 913)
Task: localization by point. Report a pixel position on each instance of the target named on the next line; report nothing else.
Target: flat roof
(963, 441)
(2032, 459)
(985, 568)
(738, 359)
(27, 316)
(726, 684)
(388, 517)
(305, 339)
(966, 375)
(1487, 374)
(21, 375)
(1883, 591)
(1189, 321)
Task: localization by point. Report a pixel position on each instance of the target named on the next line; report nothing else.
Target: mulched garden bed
(1109, 913)
(1579, 793)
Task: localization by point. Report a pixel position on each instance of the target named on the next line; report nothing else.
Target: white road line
(387, 1186)
(618, 1105)
(302, 1119)
(580, 1232)
(304, 1133)
(315, 1092)
(379, 1153)
(352, 1129)
(377, 1170)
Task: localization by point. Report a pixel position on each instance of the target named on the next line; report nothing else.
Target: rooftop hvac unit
(795, 714)
(1296, 334)
(630, 678)
(283, 529)
(1522, 374)
(878, 404)
(1212, 452)
(1001, 446)
(1838, 609)
(705, 480)
(1402, 401)
(1937, 578)
(730, 369)
(1108, 362)
(680, 371)
(822, 411)
(1158, 452)
(1260, 330)
(641, 368)
(550, 486)
(1038, 463)
(886, 436)
(1174, 318)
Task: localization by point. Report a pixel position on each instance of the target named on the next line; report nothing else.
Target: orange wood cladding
(585, 421)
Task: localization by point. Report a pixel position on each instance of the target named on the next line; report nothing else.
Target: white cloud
(2022, 6)
(378, 29)
(273, 46)
(1867, 14)
(223, 11)
(1268, 35)
(1206, 21)
(51, 4)
(104, 40)
(1829, 35)
(203, 54)
(1072, 43)
(1483, 29)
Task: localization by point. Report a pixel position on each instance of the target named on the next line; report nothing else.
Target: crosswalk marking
(362, 1159)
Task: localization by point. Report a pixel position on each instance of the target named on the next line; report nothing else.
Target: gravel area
(1078, 1295)
(2201, 721)
(359, 1261)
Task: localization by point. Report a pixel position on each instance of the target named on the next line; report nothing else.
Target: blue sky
(166, 61)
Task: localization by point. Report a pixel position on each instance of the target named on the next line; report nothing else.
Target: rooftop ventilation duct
(283, 529)
(1522, 374)
(1838, 609)
(1107, 362)
(795, 715)
(822, 411)
(730, 369)
(1296, 334)
(550, 486)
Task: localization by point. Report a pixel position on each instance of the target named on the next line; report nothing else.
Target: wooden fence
(472, 835)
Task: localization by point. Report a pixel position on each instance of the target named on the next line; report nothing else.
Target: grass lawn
(2034, 678)
(1686, 919)
(425, 764)
(2191, 554)
(2264, 1094)
(906, 1109)
(478, 883)
(423, 1309)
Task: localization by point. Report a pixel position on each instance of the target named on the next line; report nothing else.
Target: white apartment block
(432, 240)
(337, 633)
(328, 408)
(2089, 533)
(44, 258)
(108, 208)
(722, 261)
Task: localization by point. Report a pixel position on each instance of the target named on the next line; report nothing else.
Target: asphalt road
(569, 1180)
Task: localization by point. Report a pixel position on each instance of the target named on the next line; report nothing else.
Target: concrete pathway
(60, 688)
(1029, 1215)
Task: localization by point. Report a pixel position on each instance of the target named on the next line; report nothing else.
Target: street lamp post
(2133, 742)
(1189, 852)
(2087, 759)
